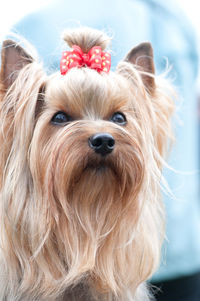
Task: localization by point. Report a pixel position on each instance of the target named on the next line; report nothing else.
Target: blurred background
(173, 28)
(12, 11)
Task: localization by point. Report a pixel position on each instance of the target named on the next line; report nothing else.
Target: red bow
(94, 59)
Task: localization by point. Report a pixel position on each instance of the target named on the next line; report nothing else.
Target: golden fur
(75, 225)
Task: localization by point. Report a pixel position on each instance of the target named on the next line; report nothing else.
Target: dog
(81, 160)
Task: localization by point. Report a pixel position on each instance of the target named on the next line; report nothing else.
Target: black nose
(102, 143)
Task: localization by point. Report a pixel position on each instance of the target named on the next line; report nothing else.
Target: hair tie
(94, 59)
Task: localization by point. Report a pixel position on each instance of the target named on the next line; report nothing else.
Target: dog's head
(81, 157)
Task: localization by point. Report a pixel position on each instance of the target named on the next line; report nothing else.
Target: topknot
(86, 38)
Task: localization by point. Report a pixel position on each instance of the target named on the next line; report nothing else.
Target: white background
(12, 10)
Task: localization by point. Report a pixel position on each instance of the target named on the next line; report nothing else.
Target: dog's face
(83, 158)
(87, 140)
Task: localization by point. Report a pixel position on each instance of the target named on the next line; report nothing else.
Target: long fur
(74, 226)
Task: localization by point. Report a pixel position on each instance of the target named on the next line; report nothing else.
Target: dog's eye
(119, 118)
(61, 118)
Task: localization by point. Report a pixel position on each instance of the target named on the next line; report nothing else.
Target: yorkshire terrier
(81, 160)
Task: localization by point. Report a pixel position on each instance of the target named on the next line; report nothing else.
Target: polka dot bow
(94, 59)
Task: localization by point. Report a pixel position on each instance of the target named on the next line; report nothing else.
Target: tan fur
(74, 225)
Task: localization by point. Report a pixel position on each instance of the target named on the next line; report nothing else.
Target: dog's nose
(102, 143)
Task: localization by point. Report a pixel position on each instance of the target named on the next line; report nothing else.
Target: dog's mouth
(97, 168)
(101, 166)
(97, 179)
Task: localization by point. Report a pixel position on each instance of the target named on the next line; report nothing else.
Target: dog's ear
(142, 57)
(13, 59)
